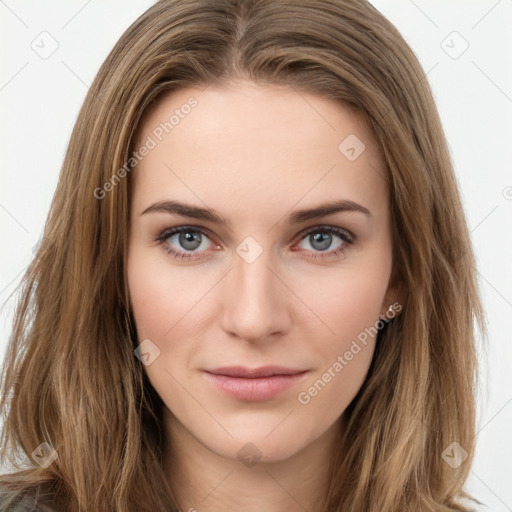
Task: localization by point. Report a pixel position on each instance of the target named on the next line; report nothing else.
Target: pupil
(190, 240)
(324, 240)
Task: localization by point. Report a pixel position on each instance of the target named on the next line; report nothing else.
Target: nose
(256, 301)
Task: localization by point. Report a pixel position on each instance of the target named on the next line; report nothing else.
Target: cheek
(161, 296)
(351, 312)
(161, 300)
(167, 304)
(349, 306)
(346, 303)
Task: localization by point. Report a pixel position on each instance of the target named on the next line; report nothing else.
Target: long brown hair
(70, 377)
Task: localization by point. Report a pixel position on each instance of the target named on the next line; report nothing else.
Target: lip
(262, 371)
(254, 384)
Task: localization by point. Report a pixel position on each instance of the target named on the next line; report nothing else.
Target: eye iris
(324, 239)
(190, 240)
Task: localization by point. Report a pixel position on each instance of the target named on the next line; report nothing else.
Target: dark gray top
(13, 502)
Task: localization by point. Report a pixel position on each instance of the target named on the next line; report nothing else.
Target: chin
(263, 441)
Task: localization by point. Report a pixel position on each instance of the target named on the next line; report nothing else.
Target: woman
(256, 286)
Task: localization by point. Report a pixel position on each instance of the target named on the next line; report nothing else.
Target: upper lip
(253, 373)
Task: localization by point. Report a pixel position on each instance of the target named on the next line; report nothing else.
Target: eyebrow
(205, 214)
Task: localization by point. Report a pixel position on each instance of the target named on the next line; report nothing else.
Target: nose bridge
(252, 278)
(254, 304)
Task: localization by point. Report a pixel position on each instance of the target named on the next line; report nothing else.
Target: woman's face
(259, 277)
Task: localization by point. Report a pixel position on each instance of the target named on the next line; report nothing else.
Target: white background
(40, 99)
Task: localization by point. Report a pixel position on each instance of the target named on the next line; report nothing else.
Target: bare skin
(255, 155)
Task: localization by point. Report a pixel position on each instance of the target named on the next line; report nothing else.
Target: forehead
(244, 143)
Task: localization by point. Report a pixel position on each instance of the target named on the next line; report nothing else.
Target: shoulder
(13, 501)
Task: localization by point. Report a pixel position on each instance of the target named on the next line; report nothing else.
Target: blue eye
(193, 241)
(189, 238)
(321, 239)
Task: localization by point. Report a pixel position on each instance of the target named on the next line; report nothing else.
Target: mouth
(254, 384)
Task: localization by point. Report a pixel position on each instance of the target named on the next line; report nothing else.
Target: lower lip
(257, 389)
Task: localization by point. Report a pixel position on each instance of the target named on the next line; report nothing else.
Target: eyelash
(347, 237)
